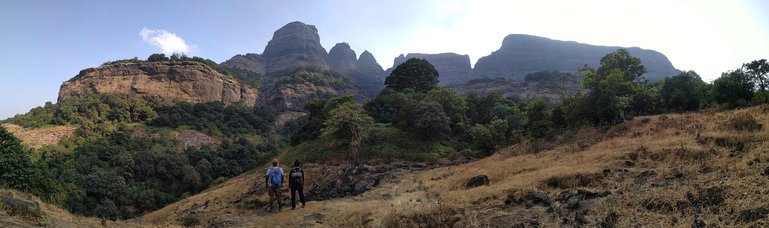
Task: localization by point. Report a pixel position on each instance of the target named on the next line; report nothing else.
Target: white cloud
(167, 41)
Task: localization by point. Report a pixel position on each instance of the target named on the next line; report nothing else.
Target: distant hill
(525, 54)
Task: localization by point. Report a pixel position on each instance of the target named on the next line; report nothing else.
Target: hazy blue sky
(43, 43)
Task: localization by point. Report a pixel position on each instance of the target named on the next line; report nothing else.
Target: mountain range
(295, 69)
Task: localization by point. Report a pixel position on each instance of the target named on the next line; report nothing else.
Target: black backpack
(296, 176)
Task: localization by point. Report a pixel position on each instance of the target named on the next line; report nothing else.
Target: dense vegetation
(476, 125)
(124, 158)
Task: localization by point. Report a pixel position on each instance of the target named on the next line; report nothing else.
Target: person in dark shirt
(296, 184)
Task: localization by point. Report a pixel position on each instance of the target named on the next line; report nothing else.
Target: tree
(348, 123)
(417, 74)
(453, 105)
(611, 86)
(759, 71)
(733, 89)
(431, 122)
(158, 57)
(488, 137)
(16, 167)
(537, 118)
(682, 92)
(621, 60)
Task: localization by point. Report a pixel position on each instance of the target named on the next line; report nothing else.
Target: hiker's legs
(271, 193)
(293, 197)
(301, 194)
(280, 197)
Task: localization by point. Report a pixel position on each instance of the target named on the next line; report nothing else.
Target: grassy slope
(655, 163)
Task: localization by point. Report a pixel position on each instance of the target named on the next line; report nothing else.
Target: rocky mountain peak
(294, 45)
(368, 64)
(342, 58)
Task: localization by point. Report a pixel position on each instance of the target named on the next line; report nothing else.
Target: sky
(44, 43)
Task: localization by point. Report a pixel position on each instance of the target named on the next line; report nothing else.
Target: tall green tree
(683, 92)
(417, 74)
(733, 89)
(759, 71)
(631, 67)
(348, 124)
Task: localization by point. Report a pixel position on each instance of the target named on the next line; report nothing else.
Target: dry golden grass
(677, 153)
(655, 172)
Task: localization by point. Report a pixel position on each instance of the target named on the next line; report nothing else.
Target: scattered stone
(606, 172)
(711, 197)
(754, 214)
(573, 202)
(698, 223)
(477, 181)
(17, 206)
(538, 198)
(645, 120)
(766, 171)
(610, 221)
(629, 163)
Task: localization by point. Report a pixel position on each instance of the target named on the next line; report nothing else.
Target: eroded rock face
(367, 65)
(525, 54)
(250, 62)
(343, 59)
(453, 69)
(182, 81)
(294, 45)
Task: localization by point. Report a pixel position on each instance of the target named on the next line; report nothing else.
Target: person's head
(296, 163)
(274, 162)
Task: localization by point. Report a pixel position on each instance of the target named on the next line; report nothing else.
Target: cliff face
(183, 81)
(524, 54)
(294, 45)
(453, 69)
(250, 62)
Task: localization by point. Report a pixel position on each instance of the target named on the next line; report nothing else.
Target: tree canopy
(416, 74)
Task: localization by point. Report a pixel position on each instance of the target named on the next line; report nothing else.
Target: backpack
(275, 176)
(296, 177)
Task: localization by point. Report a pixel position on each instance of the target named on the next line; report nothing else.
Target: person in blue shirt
(274, 181)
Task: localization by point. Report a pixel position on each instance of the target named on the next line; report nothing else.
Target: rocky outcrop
(453, 69)
(183, 81)
(294, 45)
(343, 59)
(367, 65)
(250, 62)
(524, 54)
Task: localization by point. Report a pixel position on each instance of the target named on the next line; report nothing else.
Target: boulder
(477, 181)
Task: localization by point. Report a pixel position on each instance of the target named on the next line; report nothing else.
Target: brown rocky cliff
(183, 81)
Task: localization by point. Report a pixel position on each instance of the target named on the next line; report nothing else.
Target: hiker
(273, 181)
(296, 184)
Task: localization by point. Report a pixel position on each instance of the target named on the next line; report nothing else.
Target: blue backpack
(276, 174)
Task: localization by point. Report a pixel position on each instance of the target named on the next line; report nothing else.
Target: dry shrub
(743, 122)
(445, 216)
(574, 181)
